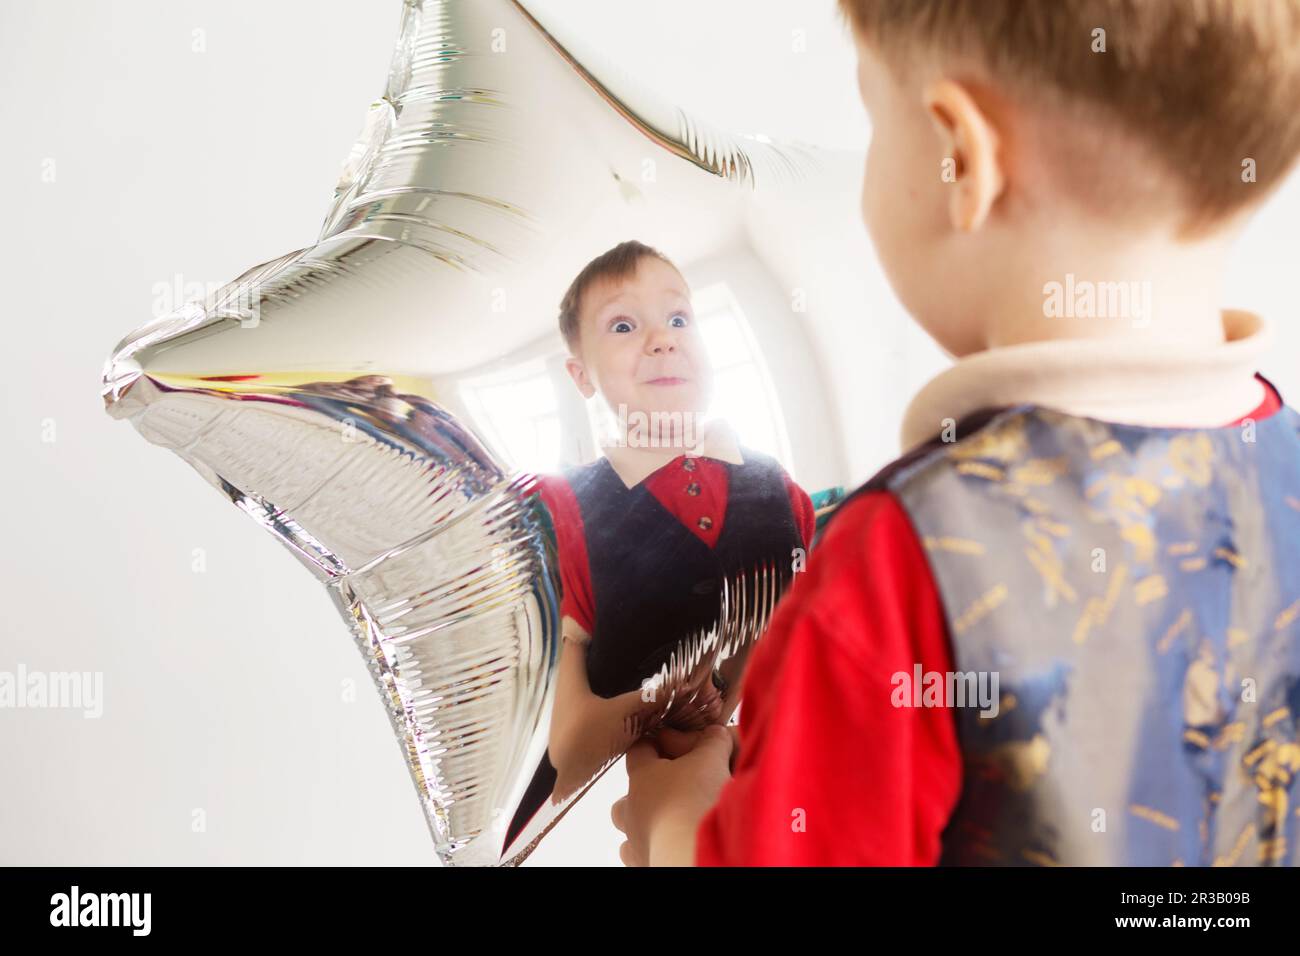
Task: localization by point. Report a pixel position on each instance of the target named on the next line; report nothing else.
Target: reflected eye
(679, 320)
(622, 325)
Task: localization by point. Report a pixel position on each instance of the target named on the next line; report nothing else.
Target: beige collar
(1172, 385)
(635, 465)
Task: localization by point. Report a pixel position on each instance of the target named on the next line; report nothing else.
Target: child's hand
(667, 797)
(602, 728)
(698, 707)
(673, 743)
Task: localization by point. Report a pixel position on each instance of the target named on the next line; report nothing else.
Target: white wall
(222, 689)
(1264, 278)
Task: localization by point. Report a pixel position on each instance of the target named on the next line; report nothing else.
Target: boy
(647, 532)
(1098, 518)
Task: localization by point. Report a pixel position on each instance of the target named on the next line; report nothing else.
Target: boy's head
(631, 334)
(1001, 127)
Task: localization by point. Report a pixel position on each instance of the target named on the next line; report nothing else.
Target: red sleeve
(805, 518)
(571, 544)
(831, 773)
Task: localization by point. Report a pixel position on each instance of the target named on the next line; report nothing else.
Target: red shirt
(829, 772)
(693, 489)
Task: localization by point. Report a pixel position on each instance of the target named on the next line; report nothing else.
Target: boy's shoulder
(972, 428)
(1009, 456)
(574, 476)
(757, 461)
(562, 490)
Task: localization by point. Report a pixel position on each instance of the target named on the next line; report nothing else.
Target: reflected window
(744, 394)
(518, 414)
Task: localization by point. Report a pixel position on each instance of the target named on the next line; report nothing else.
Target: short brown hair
(617, 263)
(1203, 85)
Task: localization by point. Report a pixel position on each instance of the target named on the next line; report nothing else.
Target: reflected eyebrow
(609, 313)
(601, 305)
(615, 300)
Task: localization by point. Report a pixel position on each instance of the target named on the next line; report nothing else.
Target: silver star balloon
(325, 392)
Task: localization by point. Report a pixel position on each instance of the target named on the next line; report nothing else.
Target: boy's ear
(971, 141)
(578, 372)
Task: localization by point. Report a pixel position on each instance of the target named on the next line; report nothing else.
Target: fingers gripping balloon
(339, 395)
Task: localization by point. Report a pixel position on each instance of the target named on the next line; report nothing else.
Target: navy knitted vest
(1137, 592)
(653, 580)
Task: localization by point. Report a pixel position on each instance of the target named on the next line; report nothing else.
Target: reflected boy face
(639, 345)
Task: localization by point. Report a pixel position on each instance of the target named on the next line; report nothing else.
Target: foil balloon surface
(384, 401)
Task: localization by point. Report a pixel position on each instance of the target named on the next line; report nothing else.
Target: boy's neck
(1186, 384)
(634, 463)
(1171, 357)
(1096, 284)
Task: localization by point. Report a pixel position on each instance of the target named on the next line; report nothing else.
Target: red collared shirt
(691, 488)
(829, 772)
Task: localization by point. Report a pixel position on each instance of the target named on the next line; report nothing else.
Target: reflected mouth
(667, 380)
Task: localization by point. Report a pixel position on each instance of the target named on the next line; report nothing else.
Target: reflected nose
(660, 341)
